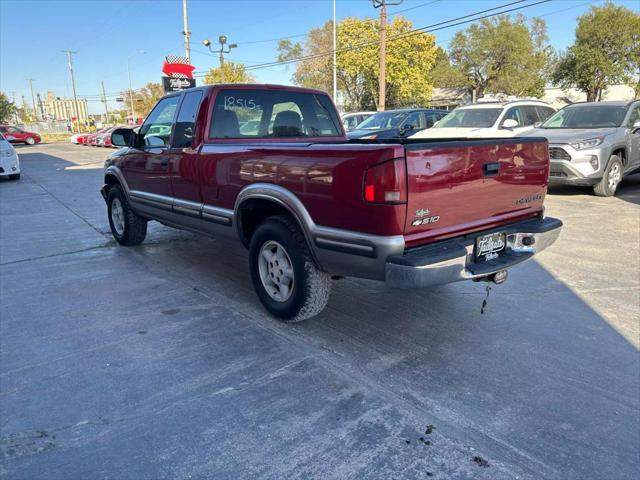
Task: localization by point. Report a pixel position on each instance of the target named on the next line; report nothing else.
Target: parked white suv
(490, 120)
(9, 161)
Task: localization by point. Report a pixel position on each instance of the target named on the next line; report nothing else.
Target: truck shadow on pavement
(540, 362)
(164, 348)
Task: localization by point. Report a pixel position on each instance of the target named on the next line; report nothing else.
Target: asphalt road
(157, 362)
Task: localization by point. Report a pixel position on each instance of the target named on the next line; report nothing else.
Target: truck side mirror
(537, 124)
(636, 126)
(122, 137)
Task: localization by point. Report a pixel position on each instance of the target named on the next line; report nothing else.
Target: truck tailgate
(457, 187)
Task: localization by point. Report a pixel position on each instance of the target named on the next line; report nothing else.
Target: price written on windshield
(247, 103)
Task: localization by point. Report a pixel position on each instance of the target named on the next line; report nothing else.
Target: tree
(606, 52)
(409, 60)
(7, 108)
(144, 99)
(502, 55)
(233, 73)
(444, 75)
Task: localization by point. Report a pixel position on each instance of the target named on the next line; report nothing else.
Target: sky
(105, 33)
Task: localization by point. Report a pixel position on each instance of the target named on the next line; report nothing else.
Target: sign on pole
(179, 74)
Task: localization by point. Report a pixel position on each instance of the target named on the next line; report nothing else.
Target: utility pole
(133, 109)
(73, 85)
(33, 98)
(104, 100)
(42, 115)
(382, 80)
(186, 32)
(335, 66)
(222, 40)
(15, 111)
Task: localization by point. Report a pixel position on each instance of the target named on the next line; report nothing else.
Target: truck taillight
(386, 182)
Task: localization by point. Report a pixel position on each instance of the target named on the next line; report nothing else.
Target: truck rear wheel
(284, 275)
(608, 184)
(127, 227)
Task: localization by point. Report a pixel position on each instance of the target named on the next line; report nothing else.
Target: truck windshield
(587, 116)
(383, 120)
(470, 118)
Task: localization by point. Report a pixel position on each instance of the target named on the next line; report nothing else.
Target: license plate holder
(489, 246)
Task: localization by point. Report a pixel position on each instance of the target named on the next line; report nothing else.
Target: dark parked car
(396, 123)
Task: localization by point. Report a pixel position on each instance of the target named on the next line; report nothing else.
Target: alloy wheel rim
(276, 271)
(614, 176)
(117, 216)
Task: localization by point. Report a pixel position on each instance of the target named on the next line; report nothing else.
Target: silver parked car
(593, 144)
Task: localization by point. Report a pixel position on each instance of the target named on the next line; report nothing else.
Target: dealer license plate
(489, 246)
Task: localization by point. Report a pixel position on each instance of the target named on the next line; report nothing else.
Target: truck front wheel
(284, 275)
(127, 227)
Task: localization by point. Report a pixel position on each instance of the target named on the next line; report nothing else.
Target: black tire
(30, 141)
(605, 187)
(134, 227)
(14, 176)
(311, 286)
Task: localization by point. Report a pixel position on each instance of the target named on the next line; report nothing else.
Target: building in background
(56, 108)
(450, 98)
(559, 97)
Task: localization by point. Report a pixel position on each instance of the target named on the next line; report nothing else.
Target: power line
(426, 29)
(396, 12)
(299, 35)
(394, 37)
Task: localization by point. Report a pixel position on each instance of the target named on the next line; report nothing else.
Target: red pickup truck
(271, 165)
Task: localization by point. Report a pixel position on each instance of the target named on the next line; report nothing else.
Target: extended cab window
(185, 125)
(247, 114)
(156, 130)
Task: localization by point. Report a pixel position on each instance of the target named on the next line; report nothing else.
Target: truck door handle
(491, 169)
(164, 162)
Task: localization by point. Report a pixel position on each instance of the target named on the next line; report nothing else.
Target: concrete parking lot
(158, 361)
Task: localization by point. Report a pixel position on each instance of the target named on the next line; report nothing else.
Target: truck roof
(257, 86)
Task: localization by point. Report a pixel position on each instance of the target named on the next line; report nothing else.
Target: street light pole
(335, 66)
(382, 79)
(133, 108)
(222, 40)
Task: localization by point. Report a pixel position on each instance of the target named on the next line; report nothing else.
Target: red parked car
(17, 135)
(92, 138)
(310, 204)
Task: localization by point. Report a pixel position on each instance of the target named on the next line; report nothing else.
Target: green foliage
(502, 55)
(409, 60)
(606, 52)
(230, 73)
(7, 108)
(444, 75)
(144, 99)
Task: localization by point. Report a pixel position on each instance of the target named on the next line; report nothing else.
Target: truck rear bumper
(453, 260)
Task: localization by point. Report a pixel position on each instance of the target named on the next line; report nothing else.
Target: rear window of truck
(254, 114)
